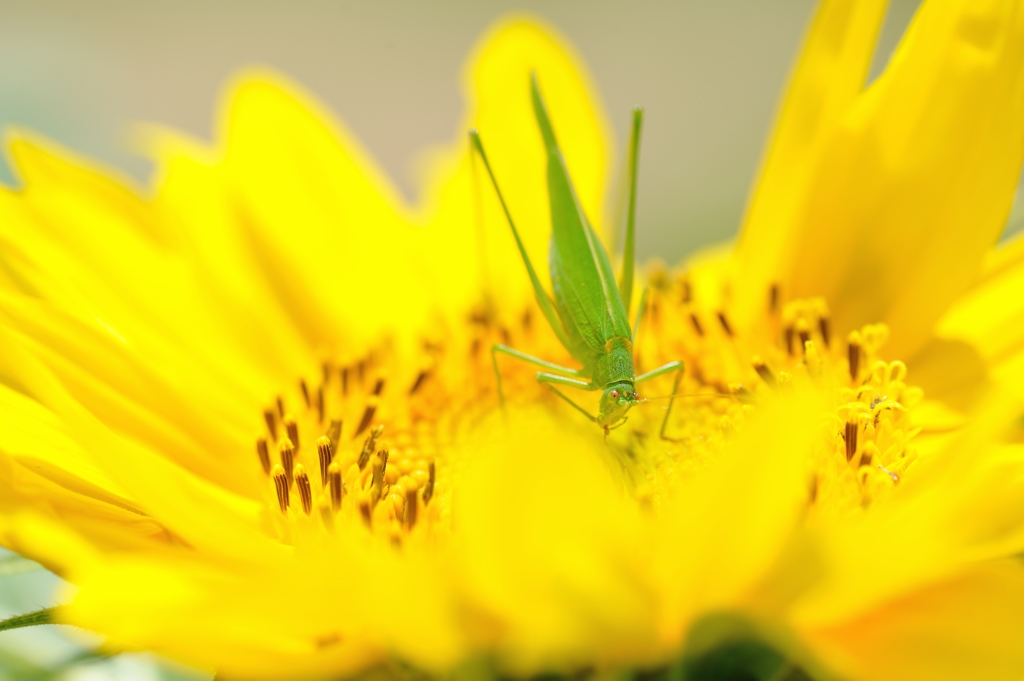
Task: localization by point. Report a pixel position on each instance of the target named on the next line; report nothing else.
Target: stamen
(305, 393)
(764, 372)
(291, 427)
(325, 371)
(789, 334)
(421, 378)
(805, 335)
(280, 406)
(305, 492)
(344, 381)
(411, 502)
(369, 446)
(853, 355)
(271, 418)
(325, 452)
(851, 439)
(361, 370)
(287, 454)
(725, 323)
(281, 486)
(527, 320)
(321, 406)
(773, 299)
(368, 412)
(428, 491)
(264, 453)
(334, 483)
(687, 292)
(326, 515)
(696, 324)
(825, 331)
(364, 511)
(378, 388)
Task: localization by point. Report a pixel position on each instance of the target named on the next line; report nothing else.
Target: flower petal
(916, 185)
(829, 76)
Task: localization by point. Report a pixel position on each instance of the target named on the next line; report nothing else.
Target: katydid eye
(634, 396)
(615, 394)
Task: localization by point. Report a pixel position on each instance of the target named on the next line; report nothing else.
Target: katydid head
(616, 400)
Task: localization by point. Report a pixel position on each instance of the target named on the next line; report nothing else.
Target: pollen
(387, 476)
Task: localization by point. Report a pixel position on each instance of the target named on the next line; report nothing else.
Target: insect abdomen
(616, 364)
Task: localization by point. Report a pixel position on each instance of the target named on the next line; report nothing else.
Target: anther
(411, 502)
(334, 433)
(321, 406)
(696, 324)
(325, 372)
(764, 372)
(280, 406)
(291, 427)
(271, 418)
(264, 453)
(724, 321)
(325, 453)
(305, 393)
(364, 511)
(281, 486)
(789, 334)
(369, 446)
(344, 380)
(305, 492)
(334, 484)
(851, 439)
(773, 298)
(380, 468)
(421, 378)
(805, 336)
(853, 355)
(428, 491)
(361, 370)
(287, 453)
(368, 412)
(378, 387)
(824, 330)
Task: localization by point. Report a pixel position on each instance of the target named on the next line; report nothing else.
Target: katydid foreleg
(677, 367)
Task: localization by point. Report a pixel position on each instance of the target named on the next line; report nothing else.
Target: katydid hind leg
(629, 247)
(546, 306)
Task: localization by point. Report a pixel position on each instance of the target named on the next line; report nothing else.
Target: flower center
(373, 440)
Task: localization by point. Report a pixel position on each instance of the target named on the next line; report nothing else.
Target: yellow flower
(250, 413)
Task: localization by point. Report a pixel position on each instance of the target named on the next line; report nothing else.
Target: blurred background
(708, 73)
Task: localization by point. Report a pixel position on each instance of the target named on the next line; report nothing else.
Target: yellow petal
(331, 234)
(967, 627)
(829, 76)
(991, 316)
(916, 184)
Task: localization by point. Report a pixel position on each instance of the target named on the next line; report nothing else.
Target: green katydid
(588, 312)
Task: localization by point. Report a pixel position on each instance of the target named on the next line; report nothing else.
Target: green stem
(44, 616)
